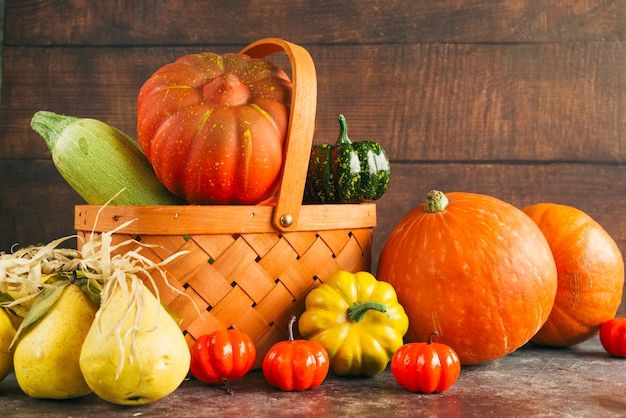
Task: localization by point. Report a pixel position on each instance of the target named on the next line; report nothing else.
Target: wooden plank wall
(524, 100)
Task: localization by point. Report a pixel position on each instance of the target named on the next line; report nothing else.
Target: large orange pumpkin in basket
(214, 127)
(473, 268)
(591, 274)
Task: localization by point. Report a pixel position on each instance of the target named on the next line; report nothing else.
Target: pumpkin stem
(436, 201)
(430, 337)
(357, 311)
(343, 131)
(291, 322)
(226, 90)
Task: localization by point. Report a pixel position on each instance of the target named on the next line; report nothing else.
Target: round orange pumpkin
(214, 127)
(590, 274)
(475, 269)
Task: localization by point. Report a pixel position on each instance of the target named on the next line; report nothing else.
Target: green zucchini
(98, 161)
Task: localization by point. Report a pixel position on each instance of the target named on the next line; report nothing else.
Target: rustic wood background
(524, 100)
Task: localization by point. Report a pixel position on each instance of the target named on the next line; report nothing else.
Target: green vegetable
(99, 161)
(347, 172)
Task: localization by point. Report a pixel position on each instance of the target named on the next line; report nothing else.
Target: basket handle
(300, 130)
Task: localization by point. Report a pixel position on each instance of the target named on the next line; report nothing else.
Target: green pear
(46, 355)
(134, 353)
(7, 332)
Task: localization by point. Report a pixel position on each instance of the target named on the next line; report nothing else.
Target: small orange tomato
(613, 336)
(222, 356)
(296, 364)
(426, 367)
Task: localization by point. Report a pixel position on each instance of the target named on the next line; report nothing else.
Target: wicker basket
(250, 267)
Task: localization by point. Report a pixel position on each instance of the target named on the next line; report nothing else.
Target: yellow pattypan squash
(357, 319)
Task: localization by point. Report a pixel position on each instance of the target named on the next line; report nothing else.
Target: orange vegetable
(473, 268)
(222, 356)
(296, 364)
(426, 367)
(590, 270)
(214, 127)
(613, 336)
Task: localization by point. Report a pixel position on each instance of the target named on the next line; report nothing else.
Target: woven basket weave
(249, 267)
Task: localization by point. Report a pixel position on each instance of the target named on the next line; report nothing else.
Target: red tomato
(613, 336)
(296, 364)
(222, 356)
(425, 367)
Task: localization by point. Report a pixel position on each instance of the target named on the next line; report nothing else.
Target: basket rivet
(286, 220)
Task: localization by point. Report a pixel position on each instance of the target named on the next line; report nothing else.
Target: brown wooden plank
(37, 206)
(423, 102)
(198, 22)
(481, 102)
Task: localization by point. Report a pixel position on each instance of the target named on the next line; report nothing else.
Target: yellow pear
(135, 352)
(7, 332)
(46, 355)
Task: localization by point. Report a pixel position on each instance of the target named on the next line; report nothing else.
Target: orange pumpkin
(475, 269)
(590, 270)
(214, 127)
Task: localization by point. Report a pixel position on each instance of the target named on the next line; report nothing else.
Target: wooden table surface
(582, 381)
